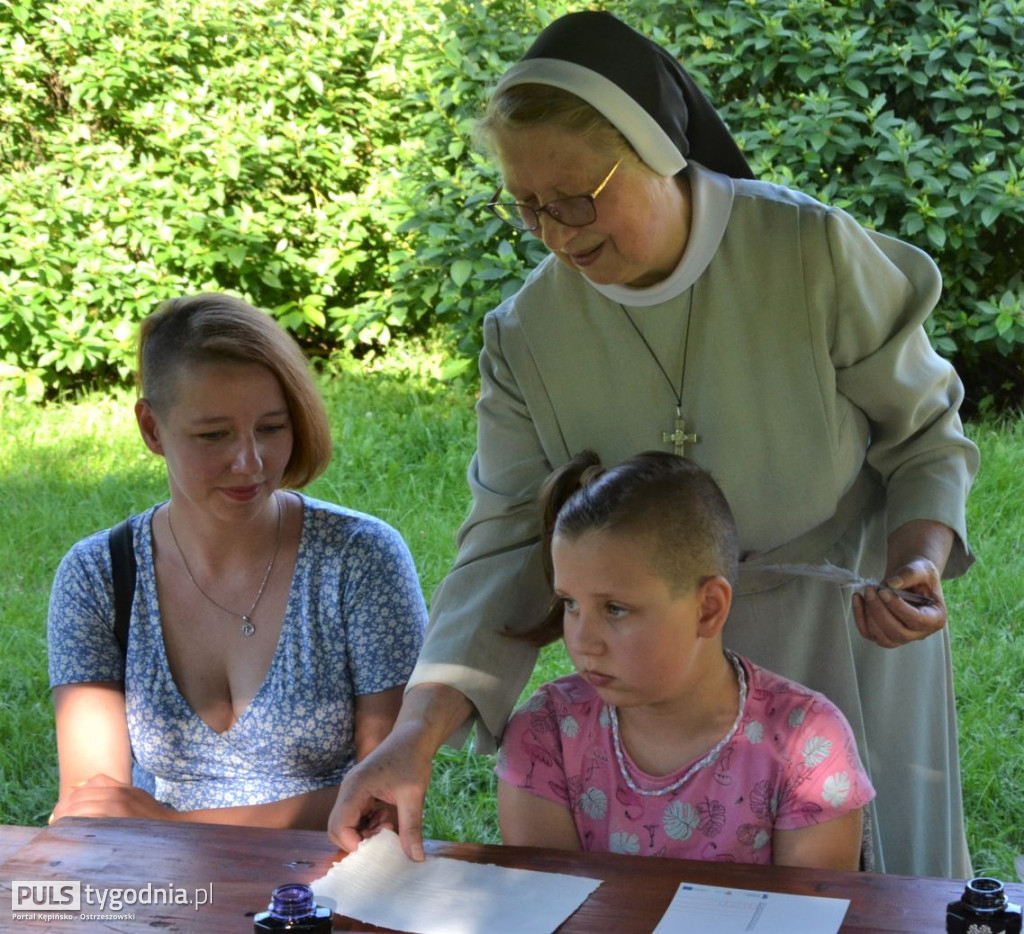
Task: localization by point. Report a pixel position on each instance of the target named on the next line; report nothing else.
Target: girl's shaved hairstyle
(669, 504)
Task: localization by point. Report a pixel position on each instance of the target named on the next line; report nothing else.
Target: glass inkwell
(983, 909)
(293, 909)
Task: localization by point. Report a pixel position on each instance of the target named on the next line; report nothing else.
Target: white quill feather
(842, 577)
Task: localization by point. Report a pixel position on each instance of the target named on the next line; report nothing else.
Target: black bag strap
(122, 560)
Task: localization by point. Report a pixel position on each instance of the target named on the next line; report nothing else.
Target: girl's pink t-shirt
(792, 762)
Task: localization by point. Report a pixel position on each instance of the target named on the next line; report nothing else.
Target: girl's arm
(529, 820)
(832, 844)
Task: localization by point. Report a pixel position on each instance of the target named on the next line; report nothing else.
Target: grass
(403, 440)
(987, 631)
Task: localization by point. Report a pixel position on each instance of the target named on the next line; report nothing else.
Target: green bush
(316, 158)
(906, 114)
(155, 148)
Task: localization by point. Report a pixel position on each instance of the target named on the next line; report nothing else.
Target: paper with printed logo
(739, 911)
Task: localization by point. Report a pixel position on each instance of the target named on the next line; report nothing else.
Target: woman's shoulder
(323, 520)
(759, 203)
(94, 549)
(88, 549)
(755, 196)
(764, 212)
(714, 192)
(322, 510)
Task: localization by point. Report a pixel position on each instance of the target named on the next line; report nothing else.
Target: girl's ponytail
(558, 489)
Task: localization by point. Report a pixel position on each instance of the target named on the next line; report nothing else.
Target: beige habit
(822, 411)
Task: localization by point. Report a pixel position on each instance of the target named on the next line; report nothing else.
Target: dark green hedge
(315, 157)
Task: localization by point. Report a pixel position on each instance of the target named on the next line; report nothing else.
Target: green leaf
(455, 367)
(990, 214)
(913, 224)
(936, 236)
(462, 269)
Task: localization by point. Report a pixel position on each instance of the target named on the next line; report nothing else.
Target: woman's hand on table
(103, 796)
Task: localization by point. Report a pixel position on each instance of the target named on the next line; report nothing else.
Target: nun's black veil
(599, 44)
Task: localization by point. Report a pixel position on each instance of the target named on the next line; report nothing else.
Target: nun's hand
(888, 620)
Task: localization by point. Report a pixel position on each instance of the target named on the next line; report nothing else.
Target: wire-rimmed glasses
(577, 211)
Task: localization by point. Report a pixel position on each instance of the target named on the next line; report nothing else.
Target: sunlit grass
(987, 629)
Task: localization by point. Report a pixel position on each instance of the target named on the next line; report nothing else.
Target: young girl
(662, 743)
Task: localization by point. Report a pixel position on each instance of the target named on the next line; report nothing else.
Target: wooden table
(13, 839)
(245, 864)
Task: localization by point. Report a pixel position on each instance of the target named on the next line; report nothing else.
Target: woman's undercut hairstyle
(671, 504)
(212, 328)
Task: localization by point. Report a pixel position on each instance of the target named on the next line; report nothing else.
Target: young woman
(663, 744)
(271, 634)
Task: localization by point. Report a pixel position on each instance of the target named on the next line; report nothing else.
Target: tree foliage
(316, 158)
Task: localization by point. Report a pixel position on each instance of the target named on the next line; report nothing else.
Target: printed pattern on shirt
(792, 763)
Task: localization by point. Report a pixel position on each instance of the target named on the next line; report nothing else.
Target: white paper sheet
(702, 908)
(378, 884)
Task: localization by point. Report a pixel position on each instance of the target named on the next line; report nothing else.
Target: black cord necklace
(247, 628)
(678, 436)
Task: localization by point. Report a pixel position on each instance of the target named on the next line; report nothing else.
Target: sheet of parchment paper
(378, 884)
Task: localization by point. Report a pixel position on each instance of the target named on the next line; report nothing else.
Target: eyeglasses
(577, 211)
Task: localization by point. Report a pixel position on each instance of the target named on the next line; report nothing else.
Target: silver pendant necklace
(678, 436)
(246, 628)
(741, 677)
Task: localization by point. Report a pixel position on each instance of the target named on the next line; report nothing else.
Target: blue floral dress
(353, 625)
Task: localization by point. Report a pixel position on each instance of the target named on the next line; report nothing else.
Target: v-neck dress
(822, 411)
(353, 625)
